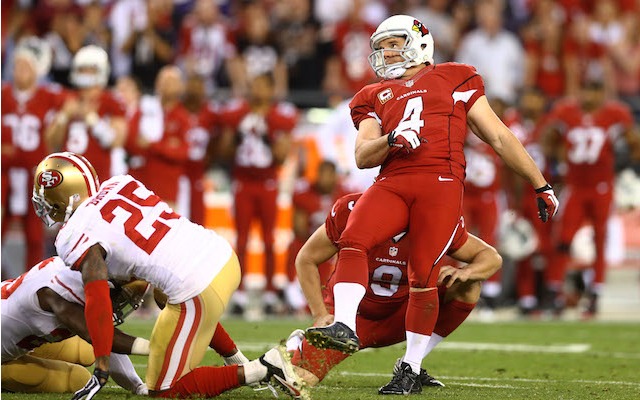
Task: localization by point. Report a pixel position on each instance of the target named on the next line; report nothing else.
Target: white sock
(416, 347)
(347, 297)
(236, 359)
(433, 342)
(254, 371)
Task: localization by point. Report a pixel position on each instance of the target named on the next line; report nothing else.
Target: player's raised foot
(425, 378)
(337, 336)
(404, 382)
(281, 373)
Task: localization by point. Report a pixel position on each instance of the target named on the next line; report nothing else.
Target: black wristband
(391, 138)
(100, 374)
(544, 188)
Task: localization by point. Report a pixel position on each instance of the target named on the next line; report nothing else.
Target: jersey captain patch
(385, 95)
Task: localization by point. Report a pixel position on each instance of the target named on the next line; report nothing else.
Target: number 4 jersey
(145, 239)
(434, 104)
(388, 284)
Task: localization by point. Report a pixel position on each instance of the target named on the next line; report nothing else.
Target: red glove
(409, 140)
(547, 202)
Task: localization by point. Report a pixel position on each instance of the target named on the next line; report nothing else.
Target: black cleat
(404, 382)
(425, 378)
(337, 336)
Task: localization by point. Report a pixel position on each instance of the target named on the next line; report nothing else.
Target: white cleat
(281, 373)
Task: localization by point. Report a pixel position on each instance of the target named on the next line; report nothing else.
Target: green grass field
(516, 360)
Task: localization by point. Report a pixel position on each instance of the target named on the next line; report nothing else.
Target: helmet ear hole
(423, 46)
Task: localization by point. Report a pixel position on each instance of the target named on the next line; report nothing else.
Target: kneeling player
(381, 314)
(42, 310)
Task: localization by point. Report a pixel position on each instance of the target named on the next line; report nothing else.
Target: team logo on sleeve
(419, 27)
(385, 95)
(393, 251)
(49, 178)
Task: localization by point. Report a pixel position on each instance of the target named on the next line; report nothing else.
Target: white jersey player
(44, 305)
(122, 230)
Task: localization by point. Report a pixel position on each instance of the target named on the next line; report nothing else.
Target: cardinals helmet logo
(49, 178)
(419, 27)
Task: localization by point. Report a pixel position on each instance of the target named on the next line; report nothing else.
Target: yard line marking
(516, 347)
(485, 379)
(486, 385)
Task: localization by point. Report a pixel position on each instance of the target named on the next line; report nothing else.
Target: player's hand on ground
(449, 275)
(323, 320)
(93, 386)
(547, 202)
(408, 139)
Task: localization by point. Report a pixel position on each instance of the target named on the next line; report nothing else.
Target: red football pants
(257, 199)
(579, 206)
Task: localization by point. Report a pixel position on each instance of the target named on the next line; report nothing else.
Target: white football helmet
(37, 52)
(87, 58)
(62, 181)
(417, 49)
(518, 238)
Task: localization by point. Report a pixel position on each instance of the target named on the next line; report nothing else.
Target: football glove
(547, 202)
(97, 381)
(409, 140)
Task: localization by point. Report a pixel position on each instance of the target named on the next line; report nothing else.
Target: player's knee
(467, 292)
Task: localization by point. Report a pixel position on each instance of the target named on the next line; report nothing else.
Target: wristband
(544, 188)
(140, 347)
(100, 374)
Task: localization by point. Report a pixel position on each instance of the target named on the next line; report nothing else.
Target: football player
(42, 310)
(582, 133)
(91, 121)
(257, 136)
(27, 108)
(413, 124)
(120, 229)
(381, 317)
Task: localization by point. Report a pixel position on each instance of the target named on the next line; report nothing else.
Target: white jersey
(25, 325)
(145, 239)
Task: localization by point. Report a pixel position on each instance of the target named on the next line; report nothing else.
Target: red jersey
(433, 103)
(24, 121)
(254, 159)
(388, 284)
(163, 161)
(588, 139)
(81, 138)
(550, 73)
(483, 171)
(198, 137)
(315, 204)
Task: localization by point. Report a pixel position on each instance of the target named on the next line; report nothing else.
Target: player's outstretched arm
(372, 146)
(317, 249)
(483, 261)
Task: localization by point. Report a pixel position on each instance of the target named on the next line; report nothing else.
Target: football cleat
(404, 382)
(425, 378)
(337, 336)
(280, 372)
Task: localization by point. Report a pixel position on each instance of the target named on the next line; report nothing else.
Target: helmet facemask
(126, 298)
(395, 70)
(49, 213)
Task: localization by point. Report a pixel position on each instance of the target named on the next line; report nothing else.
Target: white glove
(408, 139)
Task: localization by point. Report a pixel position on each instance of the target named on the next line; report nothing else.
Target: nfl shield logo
(393, 251)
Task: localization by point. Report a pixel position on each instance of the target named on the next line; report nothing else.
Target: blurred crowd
(169, 90)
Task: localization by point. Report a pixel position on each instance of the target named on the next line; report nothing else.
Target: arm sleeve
(361, 108)
(472, 81)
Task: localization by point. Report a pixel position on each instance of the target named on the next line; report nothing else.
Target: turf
(518, 360)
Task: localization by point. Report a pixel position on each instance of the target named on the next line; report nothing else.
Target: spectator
(127, 90)
(496, 53)
(125, 18)
(158, 137)
(152, 46)
(625, 55)
(259, 53)
(66, 37)
(348, 70)
(257, 137)
(96, 30)
(206, 46)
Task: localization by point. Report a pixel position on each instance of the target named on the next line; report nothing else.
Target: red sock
(353, 266)
(204, 382)
(318, 362)
(422, 312)
(451, 315)
(222, 342)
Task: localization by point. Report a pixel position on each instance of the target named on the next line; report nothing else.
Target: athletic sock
(204, 382)
(222, 342)
(352, 275)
